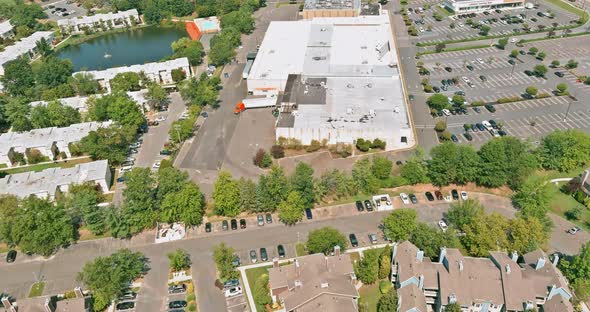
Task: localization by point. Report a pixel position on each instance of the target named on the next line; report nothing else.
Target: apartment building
(26, 47)
(502, 282)
(99, 22)
(6, 30)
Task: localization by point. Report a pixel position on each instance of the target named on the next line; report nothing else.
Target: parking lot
(501, 22)
(62, 10)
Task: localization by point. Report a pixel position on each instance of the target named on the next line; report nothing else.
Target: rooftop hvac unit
(396, 109)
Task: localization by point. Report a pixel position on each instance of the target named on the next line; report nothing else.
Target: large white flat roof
(342, 46)
(24, 46)
(148, 68)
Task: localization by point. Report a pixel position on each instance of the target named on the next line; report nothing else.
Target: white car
(232, 292)
(160, 118)
(443, 225)
(464, 195)
(479, 60)
(465, 79)
(446, 112)
(421, 29)
(156, 165)
(184, 115)
(461, 25)
(405, 198)
(124, 169)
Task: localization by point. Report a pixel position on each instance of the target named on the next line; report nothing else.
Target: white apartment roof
(332, 4)
(45, 137)
(85, 20)
(24, 46)
(342, 46)
(5, 27)
(46, 182)
(148, 68)
(77, 102)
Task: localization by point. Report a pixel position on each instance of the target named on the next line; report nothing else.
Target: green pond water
(148, 44)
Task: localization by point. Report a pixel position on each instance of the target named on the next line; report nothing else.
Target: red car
(439, 195)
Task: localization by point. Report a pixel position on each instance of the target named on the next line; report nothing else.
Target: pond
(138, 46)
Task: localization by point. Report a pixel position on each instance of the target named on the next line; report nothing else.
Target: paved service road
(60, 270)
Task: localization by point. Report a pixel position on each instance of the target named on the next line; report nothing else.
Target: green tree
(453, 163)
(156, 95)
(514, 53)
(484, 30)
(200, 91)
(385, 265)
(464, 213)
(323, 240)
(561, 88)
(291, 209)
(502, 42)
(81, 203)
(223, 46)
(179, 260)
(124, 111)
(453, 307)
(18, 79)
(40, 227)
(8, 211)
(302, 182)
(247, 194)
(367, 269)
(526, 235)
(414, 171)
(22, 14)
(540, 70)
(531, 91)
(431, 240)
(139, 206)
(272, 189)
(578, 267)
(84, 84)
(564, 150)
(110, 277)
(108, 143)
(381, 167)
(486, 233)
(399, 225)
(533, 199)
(128, 81)
(362, 174)
(17, 112)
(170, 180)
(242, 20)
(571, 64)
(185, 206)
(191, 49)
(503, 161)
(226, 195)
(223, 256)
(438, 101)
(555, 63)
(388, 302)
(181, 130)
(533, 50)
(54, 71)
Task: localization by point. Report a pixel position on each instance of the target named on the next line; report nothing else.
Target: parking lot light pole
(567, 111)
(177, 128)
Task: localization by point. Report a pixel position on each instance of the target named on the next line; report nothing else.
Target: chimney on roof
(515, 256)
(297, 268)
(452, 298)
(421, 282)
(540, 263)
(555, 259)
(507, 268)
(7, 304)
(460, 265)
(275, 263)
(443, 253)
(337, 251)
(420, 255)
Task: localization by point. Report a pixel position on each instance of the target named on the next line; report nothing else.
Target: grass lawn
(444, 11)
(561, 203)
(3, 248)
(41, 167)
(37, 289)
(85, 234)
(570, 8)
(369, 295)
(7, 1)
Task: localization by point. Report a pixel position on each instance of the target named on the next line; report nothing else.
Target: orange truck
(240, 107)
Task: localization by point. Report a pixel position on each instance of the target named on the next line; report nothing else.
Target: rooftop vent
(324, 285)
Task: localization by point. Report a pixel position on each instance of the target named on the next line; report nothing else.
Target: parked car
(123, 306)
(455, 194)
(156, 165)
(260, 220)
(454, 138)
(236, 262)
(308, 214)
(281, 251)
(177, 289)
(480, 127)
(127, 296)
(429, 196)
(234, 224)
(405, 198)
(468, 136)
(449, 69)
(177, 304)
(353, 241)
(11, 256)
(559, 74)
(464, 195)
(373, 238)
(511, 62)
(165, 152)
(208, 227)
(263, 254)
(439, 195)
(413, 198)
(574, 230)
(359, 206)
(368, 205)
(477, 109)
(232, 292)
(242, 223)
(253, 257)
(234, 282)
(268, 218)
(443, 225)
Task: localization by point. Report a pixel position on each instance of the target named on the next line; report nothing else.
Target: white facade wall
(78, 24)
(475, 6)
